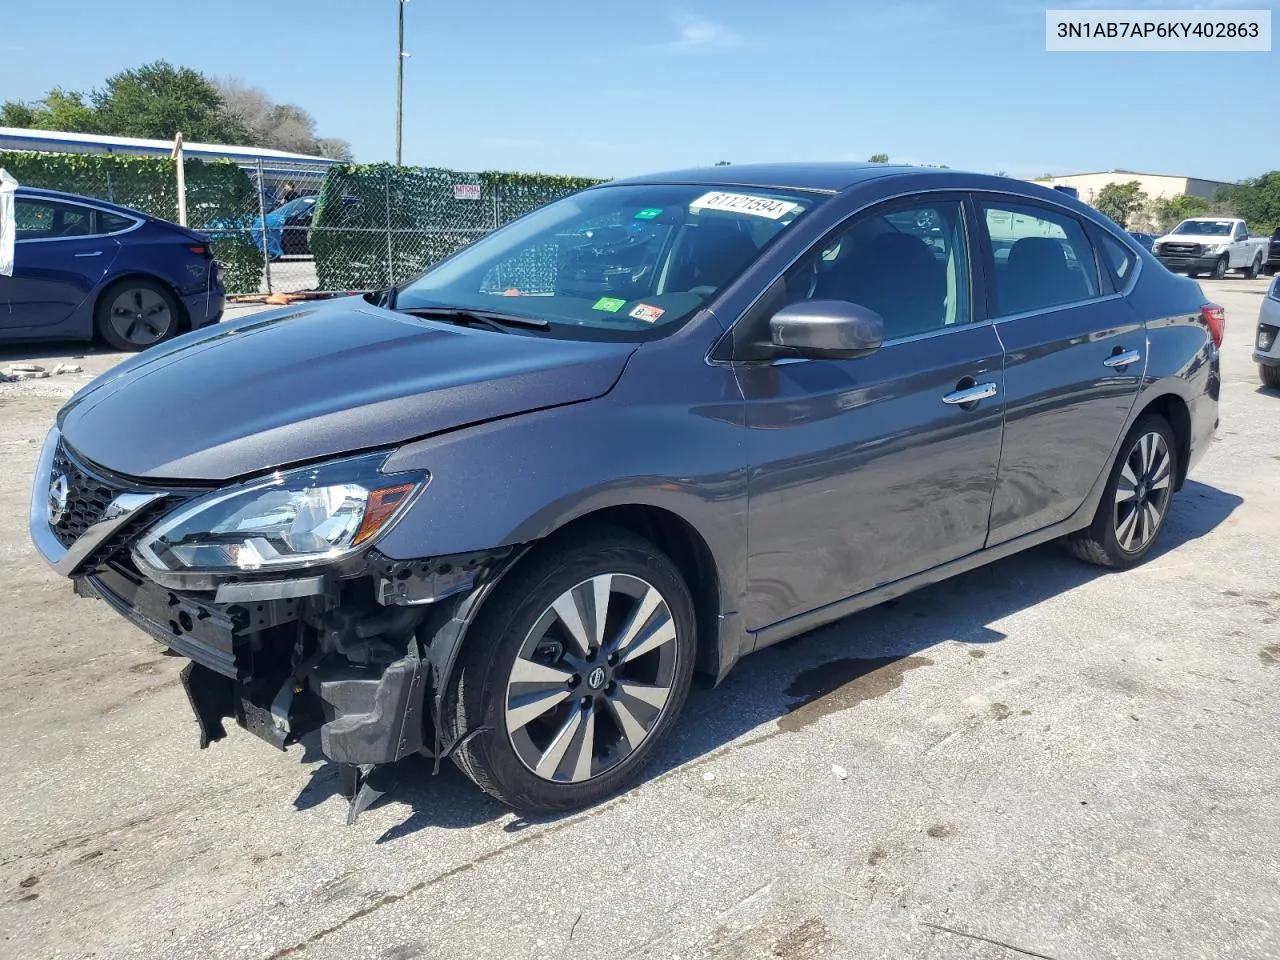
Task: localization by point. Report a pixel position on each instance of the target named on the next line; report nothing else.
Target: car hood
(301, 384)
(1204, 238)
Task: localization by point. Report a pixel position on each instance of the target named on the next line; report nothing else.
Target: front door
(1074, 356)
(57, 260)
(867, 471)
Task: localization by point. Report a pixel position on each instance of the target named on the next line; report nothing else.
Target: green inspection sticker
(609, 304)
(648, 213)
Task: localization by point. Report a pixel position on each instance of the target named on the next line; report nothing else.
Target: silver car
(1267, 345)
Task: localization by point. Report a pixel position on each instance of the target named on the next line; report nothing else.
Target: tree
(59, 110)
(878, 158)
(335, 148)
(1166, 212)
(281, 126)
(158, 100)
(1256, 200)
(1119, 200)
(1044, 178)
(723, 163)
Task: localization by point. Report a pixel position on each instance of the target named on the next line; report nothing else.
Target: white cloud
(700, 35)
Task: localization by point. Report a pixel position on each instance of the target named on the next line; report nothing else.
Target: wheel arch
(1177, 414)
(684, 545)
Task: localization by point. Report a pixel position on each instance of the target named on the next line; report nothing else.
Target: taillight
(199, 251)
(1215, 318)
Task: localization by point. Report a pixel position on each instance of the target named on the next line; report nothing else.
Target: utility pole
(400, 81)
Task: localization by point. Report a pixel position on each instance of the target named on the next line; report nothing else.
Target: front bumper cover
(1199, 264)
(362, 653)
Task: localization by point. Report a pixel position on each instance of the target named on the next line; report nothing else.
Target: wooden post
(182, 180)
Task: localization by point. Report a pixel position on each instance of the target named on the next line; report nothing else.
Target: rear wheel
(578, 666)
(1136, 500)
(1270, 376)
(1256, 268)
(136, 313)
(1220, 268)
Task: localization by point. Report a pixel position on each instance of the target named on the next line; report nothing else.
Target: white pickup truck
(1211, 245)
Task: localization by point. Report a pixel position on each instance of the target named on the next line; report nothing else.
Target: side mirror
(826, 329)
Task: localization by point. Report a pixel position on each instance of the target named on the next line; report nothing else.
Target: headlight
(288, 520)
(1213, 249)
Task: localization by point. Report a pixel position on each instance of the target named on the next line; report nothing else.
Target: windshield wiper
(501, 322)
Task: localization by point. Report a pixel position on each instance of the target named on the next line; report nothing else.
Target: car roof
(817, 177)
(78, 198)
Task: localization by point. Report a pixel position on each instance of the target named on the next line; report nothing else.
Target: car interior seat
(1038, 275)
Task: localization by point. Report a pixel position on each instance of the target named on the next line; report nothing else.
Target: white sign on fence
(466, 191)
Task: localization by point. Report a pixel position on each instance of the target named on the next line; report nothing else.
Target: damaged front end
(358, 647)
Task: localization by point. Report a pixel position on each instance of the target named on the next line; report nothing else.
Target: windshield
(626, 262)
(1205, 228)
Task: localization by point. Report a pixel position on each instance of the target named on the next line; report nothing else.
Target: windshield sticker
(744, 203)
(512, 292)
(648, 213)
(609, 304)
(646, 313)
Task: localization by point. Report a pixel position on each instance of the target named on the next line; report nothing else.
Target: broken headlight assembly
(288, 521)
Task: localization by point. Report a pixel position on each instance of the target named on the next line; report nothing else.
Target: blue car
(287, 227)
(86, 269)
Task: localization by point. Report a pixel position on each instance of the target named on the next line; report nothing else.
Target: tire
(520, 655)
(1220, 268)
(1113, 539)
(137, 313)
(1255, 268)
(1270, 376)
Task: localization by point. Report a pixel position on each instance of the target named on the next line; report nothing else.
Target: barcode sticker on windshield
(743, 203)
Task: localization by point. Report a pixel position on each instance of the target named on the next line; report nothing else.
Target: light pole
(400, 80)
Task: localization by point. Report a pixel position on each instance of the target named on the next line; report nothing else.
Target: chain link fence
(279, 226)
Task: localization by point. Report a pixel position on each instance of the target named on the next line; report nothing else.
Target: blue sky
(600, 88)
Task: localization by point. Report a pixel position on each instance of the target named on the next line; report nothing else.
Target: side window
(1042, 258)
(1119, 259)
(906, 261)
(112, 222)
(1241, 232)
(48, 220)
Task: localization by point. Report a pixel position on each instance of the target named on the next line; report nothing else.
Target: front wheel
(1270, 376)
(1136, 500)
(1220, 268)
(577, 666)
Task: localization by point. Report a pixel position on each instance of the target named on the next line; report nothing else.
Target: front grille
(1181, 249)
(87, 499)
(90, 491)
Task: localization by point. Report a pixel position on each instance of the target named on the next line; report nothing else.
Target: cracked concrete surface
(1042, 760)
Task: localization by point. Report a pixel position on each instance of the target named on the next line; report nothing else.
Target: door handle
(979, 391)
(1122, 359)
(96, 253)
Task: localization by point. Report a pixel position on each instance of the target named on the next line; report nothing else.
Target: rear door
(60, 255)
(1075, 352)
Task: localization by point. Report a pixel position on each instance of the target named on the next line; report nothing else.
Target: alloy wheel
(592, 678)
(1143, 492)
(140, 316)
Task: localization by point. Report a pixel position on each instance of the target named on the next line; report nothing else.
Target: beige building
(1154, 185)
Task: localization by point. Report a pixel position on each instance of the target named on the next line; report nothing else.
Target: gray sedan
(503, 512)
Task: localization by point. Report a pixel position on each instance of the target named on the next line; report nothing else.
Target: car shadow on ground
(797, 682)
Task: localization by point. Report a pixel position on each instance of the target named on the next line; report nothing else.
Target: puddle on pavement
(842, 684)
